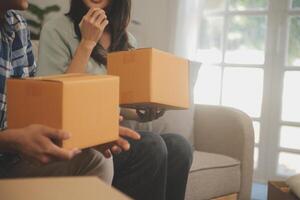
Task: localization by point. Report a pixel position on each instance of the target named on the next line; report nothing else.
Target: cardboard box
(278, 190)
(150, 77)
(87, 106)
(71, 188)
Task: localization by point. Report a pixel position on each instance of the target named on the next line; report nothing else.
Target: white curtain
(185, 23)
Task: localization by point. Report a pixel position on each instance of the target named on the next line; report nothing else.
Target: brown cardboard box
(150, 77)
(278, 190)
(86, 106)
(72, 188)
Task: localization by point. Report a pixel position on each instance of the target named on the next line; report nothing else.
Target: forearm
(6, 143)
(81, 57)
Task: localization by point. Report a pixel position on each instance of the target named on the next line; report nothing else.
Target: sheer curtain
(185, 23)
(184, 18)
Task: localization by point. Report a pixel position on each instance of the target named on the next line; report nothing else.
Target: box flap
(133, 50)
(59, 76)
(71, 78)
(148, 49)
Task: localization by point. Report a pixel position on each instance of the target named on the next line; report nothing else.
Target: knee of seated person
(177, 145)
(153, 147)
(91, 155)
(92, 162)
(98, 165)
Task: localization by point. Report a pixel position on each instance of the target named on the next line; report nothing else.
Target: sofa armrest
(227, 131)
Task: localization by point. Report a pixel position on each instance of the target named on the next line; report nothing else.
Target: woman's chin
(97, 6)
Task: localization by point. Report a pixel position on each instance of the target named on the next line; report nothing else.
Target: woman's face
(97, 3)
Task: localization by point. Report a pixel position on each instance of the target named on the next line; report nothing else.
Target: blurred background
(250, 50)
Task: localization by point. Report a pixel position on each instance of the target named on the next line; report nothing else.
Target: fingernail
(114, 148)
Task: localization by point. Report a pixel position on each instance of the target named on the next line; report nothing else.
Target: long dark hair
(118, 15)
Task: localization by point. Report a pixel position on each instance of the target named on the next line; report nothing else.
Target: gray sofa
(223, 141)
(223, 157)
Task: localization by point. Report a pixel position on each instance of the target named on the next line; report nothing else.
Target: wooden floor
(229, 197)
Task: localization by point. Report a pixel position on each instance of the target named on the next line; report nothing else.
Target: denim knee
(178, 148)
(153, 148)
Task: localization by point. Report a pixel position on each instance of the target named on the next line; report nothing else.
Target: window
(250, 50)
(289, 150)
(248, 4)
(295, 4)
(294, 42)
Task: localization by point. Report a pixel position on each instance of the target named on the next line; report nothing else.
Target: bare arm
(6, 143)
(81, 58)
(92, 27)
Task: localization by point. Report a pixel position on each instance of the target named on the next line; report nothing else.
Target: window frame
(275, 66)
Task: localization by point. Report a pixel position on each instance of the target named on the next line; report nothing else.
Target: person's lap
(136, 172)
(153, 168)
(89, 163)
(147, 170)
(179, 163)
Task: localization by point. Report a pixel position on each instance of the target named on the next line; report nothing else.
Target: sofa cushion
(213, 175)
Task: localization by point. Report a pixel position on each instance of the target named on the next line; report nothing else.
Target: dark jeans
(155, 168)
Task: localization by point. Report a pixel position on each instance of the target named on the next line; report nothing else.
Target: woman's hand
(149, 114)
(39, 144)
(142, 114)
(92, 26)
(121, 144)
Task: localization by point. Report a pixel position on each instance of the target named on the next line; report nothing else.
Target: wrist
(88, 45)
(8, 142)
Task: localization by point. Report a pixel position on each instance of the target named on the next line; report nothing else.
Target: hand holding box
(86, 106)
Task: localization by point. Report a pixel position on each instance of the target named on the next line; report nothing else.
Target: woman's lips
(96, 1)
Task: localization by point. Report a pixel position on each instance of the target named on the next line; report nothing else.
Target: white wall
(185, 16)
(169, 25)
(154, 29)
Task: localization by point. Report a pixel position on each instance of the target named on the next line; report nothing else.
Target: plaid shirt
(16, 56)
